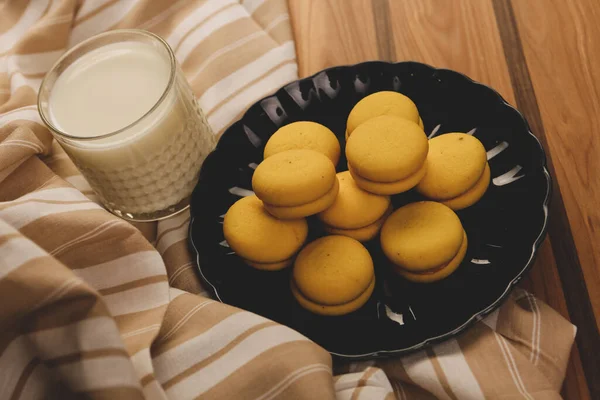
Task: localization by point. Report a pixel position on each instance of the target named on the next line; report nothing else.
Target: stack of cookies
(387, 153)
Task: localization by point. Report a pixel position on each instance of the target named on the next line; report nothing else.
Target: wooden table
(544, 57)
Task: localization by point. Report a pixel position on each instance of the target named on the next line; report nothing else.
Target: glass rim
(141, 32)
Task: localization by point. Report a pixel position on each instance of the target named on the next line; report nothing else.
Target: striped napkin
(94, 306)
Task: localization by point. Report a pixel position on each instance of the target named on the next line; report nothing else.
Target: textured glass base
(153, 216)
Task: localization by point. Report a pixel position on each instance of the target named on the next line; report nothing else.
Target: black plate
(505, 227)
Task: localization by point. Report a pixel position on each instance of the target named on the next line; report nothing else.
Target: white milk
(153, 163)
(108, 89)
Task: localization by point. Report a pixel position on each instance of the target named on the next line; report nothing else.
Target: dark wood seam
(383, 30)
(571, 275)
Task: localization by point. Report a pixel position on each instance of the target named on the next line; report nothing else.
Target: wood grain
(563, 55)
(572, 272)
(569, 58)
(461, 35)
(350, 29)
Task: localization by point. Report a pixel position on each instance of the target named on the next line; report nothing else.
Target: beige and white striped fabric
(92, 306)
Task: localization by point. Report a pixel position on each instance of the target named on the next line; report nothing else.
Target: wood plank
(563, 64)
(578, 279)
(570, 109)
(459, 35)
(462, 36)
(333, 33)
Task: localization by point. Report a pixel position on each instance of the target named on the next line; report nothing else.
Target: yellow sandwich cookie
(440, 272)
(388, 188)
(304, 135)
(262, 240)
(314, 207)
(389, 150)
(421, 125)
(472, 195)
(424, 239)
(333, 275)
(456, 166)
(296, 178)
(355, 212)
(381, 103)
(354, 207)
(339, 309)
(364, 233)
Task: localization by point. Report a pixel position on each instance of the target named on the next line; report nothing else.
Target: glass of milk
(121, 108)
